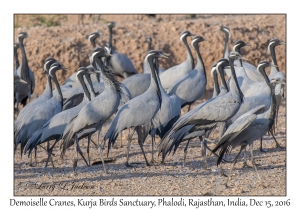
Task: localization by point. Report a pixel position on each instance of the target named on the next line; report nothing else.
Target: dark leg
(153, 141)
(234, 162)
(121, 139)
(88, 148)
(128, 148)
(78, 150)
(75, 160)
(49, 154)
(185, 152)
(277, 144)
(222, 173)
(30, 164)
(141, 145)
(261, 147)
(35, 148)
(189, 107)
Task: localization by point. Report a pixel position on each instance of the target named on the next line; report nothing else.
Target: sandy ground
(68, 44)
(168, 179)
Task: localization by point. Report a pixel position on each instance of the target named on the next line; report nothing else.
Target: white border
(150, 6)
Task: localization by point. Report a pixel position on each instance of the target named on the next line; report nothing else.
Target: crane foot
(128, 165)
(279, 146)
(263, 150)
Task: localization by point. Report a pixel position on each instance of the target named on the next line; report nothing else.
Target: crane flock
(243, 108)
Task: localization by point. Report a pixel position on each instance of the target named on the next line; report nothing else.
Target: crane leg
(189, 107)
(128, 148)
(185, 152)
(245, 160)
(121, 139)
(141, 145)
(203, 150)
(49, 155)
(234, 162)
(153, 141)
(261, 147)
(277, 144)
(100, 149)
(31, 164)
(75, 160)
(253, 162)
(88, 148)
(78, 150)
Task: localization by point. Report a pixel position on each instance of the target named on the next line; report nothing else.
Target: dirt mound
(68, 42)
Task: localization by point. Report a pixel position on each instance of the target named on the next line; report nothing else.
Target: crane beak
(22, 81)
(164, 55)
(273, 65)
(283, 43)
(243, 58)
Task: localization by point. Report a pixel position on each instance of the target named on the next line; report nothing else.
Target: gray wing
(125, 95)
(215, 110)
(121, 63)
(254, 99)
(174, 73)
(38, 118)
(57, 124)
(138, 111)
(252, 73)
(137, 84)
(238, 126)
(192, 81)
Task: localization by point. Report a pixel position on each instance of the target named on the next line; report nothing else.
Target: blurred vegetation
(50, 20)
(39, 20)
(16, 25)
(191, 16)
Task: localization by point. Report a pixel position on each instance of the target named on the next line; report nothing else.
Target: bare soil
(68, 44)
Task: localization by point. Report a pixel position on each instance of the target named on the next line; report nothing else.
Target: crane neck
(239, 63)
(189, 53)
(93, 42)
(58, 88)
(223, 81)
(25, 68)
(92, 92)
(271, 112)
(274, 69)
(84, 87)
(48, 88)
(200, 66)
(157, 76)
(149, 46)
(226, 46)
(109, 80)
(16, 58)
(234, 83)
(216, 85)
(154, 80)
(110, 37)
